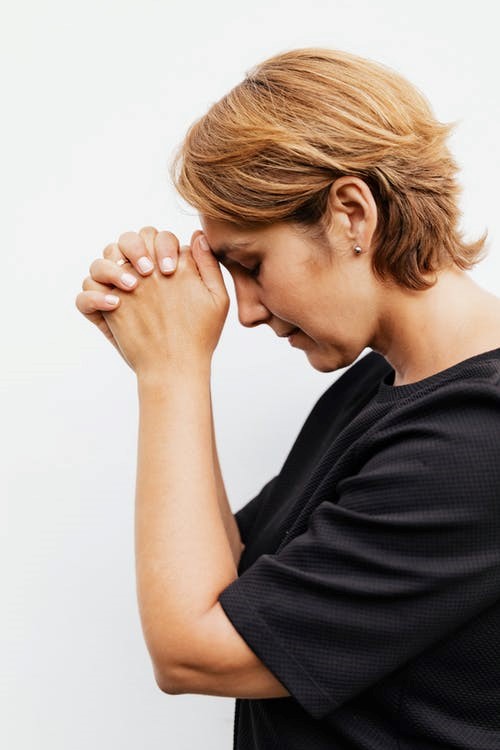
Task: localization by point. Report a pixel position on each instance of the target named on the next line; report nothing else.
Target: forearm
(227, 515)
(183, 555)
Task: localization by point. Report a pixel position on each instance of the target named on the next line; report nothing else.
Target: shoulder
(466, 406)
(440, 448)
(452, 415)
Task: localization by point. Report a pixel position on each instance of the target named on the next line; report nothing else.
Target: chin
(321, 364)
(323, 368)
(332, 362)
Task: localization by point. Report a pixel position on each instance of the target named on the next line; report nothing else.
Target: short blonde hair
(271, 148)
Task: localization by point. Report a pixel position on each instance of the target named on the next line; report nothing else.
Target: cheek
(293, 291)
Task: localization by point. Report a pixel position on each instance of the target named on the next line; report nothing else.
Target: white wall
(95, 97)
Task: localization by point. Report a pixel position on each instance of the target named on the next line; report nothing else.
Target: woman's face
(286, 280)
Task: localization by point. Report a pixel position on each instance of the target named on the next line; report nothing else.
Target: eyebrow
(221, 252)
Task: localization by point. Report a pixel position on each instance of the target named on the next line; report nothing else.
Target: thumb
(208, 266)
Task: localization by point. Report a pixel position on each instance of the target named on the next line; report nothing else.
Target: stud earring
(358, 250)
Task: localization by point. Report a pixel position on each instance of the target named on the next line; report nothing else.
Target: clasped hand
(166, 317)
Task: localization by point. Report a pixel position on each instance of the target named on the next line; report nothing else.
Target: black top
(370, 582)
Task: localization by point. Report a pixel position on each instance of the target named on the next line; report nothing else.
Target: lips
(291, 332)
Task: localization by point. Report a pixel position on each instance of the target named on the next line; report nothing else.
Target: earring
(358, 250)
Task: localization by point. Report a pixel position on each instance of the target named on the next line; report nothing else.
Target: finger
(185, 256)
(88, 284)
(208, 267)
(107, 271)
(96, 317)
(133, 247)
(148, 234)
(167, 251)
(198, 233)
(113, 252)
(89, 302)
(195, 235)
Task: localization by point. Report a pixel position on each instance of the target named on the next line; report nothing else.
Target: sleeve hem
(268, 647)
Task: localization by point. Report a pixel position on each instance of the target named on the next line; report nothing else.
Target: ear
(352, 207)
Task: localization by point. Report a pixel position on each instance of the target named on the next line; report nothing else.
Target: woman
(364, 611)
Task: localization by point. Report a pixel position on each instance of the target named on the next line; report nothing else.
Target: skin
(341, 307)
(184, 523)
(333, 298)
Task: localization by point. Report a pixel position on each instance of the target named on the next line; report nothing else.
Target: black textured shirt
(370, 582)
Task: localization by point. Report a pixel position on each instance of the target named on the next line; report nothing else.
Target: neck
(421, 333)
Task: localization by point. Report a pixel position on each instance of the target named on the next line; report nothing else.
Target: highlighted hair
(271, 148)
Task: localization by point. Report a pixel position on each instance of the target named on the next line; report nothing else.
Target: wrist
(161, 378)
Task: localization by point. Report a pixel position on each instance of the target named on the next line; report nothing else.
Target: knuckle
(83, 303)
(86, 284)
(148, 235)
(94, 266)
(110, 250)
(195, 235)
(167, 242)
(171, 235)
(148, 230)
(132, 241)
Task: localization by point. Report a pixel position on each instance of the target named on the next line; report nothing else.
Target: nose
(251, 310)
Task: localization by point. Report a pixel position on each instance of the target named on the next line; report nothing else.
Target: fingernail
(204, 244)
(128, 279)
(111, 299)
(167, 264)
(145, 264)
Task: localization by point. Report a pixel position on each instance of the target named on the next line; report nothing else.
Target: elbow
(168, 687)
(167, 680)
(165, 667)
(168, 660)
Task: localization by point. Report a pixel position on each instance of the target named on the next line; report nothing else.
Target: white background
(96, 95)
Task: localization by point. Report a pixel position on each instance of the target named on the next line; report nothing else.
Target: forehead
(224, 237)
(221, 249)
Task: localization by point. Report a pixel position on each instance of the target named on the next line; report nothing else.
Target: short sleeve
(406, 552)
(247, 515)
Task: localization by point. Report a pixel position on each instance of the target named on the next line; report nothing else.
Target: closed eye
(254, 271)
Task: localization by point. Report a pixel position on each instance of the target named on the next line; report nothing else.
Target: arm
(228, 519)
(183, 556)
(399, 555)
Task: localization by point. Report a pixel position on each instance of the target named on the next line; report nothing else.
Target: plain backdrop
(95, 97)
